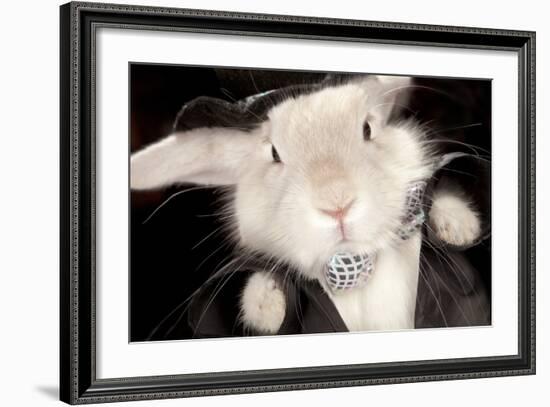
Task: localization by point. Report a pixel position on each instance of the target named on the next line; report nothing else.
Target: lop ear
(212, 156)
(393, 95)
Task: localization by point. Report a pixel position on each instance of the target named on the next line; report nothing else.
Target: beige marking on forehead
(317, 121)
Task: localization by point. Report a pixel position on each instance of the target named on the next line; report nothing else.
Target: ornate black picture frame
(78, 381)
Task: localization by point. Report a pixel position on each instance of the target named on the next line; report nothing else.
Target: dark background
(176, 249)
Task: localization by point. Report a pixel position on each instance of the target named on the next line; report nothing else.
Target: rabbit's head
(326, 171)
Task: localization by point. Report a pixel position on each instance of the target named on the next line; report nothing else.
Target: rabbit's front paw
(263, 304)
(453, 220)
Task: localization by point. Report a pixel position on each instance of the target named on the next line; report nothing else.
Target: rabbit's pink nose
(340, 212)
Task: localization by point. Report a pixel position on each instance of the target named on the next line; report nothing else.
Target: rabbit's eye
(366, 131)
(275, 154)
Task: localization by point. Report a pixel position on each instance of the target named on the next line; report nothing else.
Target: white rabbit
(326, 172)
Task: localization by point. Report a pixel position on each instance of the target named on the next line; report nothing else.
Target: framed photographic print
(257, 203)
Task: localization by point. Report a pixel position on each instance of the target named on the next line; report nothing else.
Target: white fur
(201, 156)
(262, 304)
(326, 163)
(453, 219)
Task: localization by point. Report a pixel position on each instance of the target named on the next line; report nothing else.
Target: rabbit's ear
(211, 156)
(393, 95)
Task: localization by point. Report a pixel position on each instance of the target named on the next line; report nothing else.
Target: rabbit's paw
(262, 304)
(453, 220)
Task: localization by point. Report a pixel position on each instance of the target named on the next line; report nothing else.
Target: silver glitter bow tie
(346, 270)
(414, 212)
